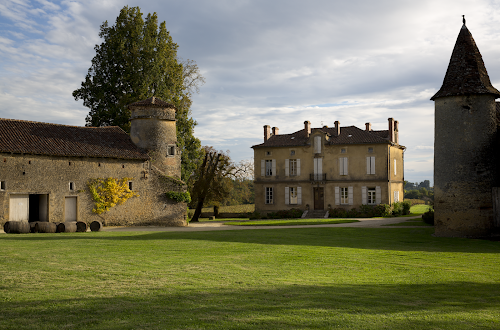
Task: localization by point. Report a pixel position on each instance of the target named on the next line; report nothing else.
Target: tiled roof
(152, 102)
(19, 136)
(466, 72)
(348, 135)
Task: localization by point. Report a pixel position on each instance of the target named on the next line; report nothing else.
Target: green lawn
(288, 222)
(314, 278)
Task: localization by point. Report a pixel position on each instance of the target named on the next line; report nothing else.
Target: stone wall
(51, 176)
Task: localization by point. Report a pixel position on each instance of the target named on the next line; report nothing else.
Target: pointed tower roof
(466, 72)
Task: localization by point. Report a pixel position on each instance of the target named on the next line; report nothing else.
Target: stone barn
(466, 147)
(45, 169)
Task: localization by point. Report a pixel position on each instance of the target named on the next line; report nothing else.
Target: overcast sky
(271, 62)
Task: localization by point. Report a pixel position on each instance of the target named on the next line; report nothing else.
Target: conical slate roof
(466, 72)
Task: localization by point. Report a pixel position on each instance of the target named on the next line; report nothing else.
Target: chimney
(368, 127)
(396, 132)
(267, 132)
(307, 127)
(391, 129)
(337, 128)
(276, 131)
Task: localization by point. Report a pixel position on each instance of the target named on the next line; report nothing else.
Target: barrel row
(24, 227)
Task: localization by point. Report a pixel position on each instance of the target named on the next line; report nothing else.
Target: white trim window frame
(372, 196)
(344, 196)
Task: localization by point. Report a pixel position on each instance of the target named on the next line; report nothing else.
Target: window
(2, 185)
(318, 168)
(268, 153)
(292, 152)
(293, 195)
(396, 196)
(344, 196)
(269, 167)
(130, 185)
(293, 166)
(372, 196)
(269, 195)
(71, 186)
(395, 167)
(343, 151)
(343, 166)
(170, 151)
(370, 165)
(317, 144)
(370, 149)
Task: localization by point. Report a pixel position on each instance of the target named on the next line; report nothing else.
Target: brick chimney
(337, 128)
(396, 132)
(391, 129)
(276, 131)
(307, 127)
(267, 132)
(368, 127)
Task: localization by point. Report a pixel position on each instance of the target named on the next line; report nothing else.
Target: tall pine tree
(137, 60)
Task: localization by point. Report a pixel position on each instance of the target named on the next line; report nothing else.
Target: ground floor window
(293, 195)
(269, 195)
(344, 196)
(372, 196)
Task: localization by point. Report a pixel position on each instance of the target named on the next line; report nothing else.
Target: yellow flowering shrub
(109, 192)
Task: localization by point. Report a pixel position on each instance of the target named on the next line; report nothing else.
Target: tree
(137, 60)
(212, 182)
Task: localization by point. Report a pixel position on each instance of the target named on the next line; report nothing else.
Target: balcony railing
(317, 177)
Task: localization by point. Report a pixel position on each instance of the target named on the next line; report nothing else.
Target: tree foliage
(137, 60)
(109, 192)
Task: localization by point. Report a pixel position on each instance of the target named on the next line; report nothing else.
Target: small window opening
(130, 185)
(5, 160)
(2, 185)
(292, 152)
(171, 151)
(370, 150)
(29, 162)
(342, 151)
(24, 172)
(99, 165)
(268, 153)
(123, 166)
(69, 163)
(71, 186)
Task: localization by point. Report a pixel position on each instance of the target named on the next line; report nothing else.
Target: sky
(273, 62)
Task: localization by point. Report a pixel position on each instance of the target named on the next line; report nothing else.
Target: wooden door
(319, 203)
(19, 208)
(70, 209)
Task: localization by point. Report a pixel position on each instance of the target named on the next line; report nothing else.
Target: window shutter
(364, 195)
(345, 166)
(351, 197)
(287, 167)
(320, 166)
(299, 195)
(394, 167)
(287, 195)
(298, 167)
(337, 196)
(262, 167)
(274, 167)
(317, 144)
(368, 165)
(378, 195)
(315, 166)
(341, 166)
(396, 196)
(372, 165)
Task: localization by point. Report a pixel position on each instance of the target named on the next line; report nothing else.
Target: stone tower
(465, 144)
(153, 129)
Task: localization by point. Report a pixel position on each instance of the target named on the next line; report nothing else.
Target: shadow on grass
(239, 306)
(401, 239)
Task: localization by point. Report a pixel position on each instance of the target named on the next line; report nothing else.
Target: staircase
(314, 214)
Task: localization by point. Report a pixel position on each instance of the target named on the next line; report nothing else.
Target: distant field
(419, 209)
(245, 208)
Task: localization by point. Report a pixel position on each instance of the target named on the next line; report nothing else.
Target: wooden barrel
(45, 227)
(95, 226)
(81, 226)
(17, 227)
(66, 227)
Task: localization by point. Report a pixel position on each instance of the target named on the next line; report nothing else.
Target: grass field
(289, 222)
(314, 278)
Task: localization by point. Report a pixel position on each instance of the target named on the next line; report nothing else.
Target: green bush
(406, 207)
(285, 214)
(179, 196)
(428, 217)
(337, 213)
